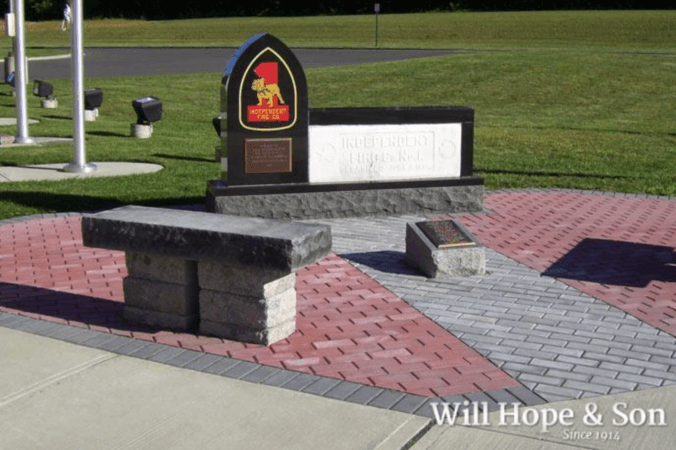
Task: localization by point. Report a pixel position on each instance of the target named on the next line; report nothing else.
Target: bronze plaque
(268, 156)
(445, 234)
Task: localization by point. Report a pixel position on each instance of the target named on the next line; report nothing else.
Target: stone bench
(231, 277)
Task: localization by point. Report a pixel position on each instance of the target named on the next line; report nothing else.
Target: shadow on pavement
(384, 261)
(53, 202)
(67, 306)
(183, 158)
(616, 263)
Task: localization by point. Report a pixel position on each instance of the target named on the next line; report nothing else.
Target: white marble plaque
(352, 153)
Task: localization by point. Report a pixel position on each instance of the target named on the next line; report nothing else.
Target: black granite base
(319, 201)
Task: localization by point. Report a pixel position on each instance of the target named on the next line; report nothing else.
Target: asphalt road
(115, 62)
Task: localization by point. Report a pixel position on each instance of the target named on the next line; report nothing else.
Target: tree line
(159, 10)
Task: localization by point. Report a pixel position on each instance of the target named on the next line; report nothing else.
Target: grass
(638, 30)
(590, 115)
(566, 119)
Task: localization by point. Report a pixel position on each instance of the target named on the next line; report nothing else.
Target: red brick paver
(543, 229)
(349, 326)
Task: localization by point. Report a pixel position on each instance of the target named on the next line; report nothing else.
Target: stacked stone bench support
(161, 291)
(225, 276)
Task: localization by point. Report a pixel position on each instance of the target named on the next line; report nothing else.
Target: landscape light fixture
(216, 122)
(92, 101)
(45, 91)
(42, 89)
(148, 110)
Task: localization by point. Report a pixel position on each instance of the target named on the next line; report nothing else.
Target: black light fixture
(93, 98)
(148, 110)
(43, 89)
(216, 122)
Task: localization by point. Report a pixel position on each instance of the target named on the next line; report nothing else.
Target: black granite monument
(267, 120)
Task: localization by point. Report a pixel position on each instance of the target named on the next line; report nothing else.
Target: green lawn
(592, 110)
(638, 30)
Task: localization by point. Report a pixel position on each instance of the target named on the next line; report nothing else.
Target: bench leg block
(160, 319)
(159, 296)
(241, 333)
(161, 268)
(248, 319)
(161, 291)
(250, 281)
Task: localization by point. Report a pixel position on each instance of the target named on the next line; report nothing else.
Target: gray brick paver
(587, 387)
(583, 362)
(551, 364)
(641, 379)
(515, 369)
(182, 359)
(610, 382)
(596, 371)
(450, 315)
(627, 333)
(555, 393)
(671, 362)
(166, 354)
(131, 346)
(666, 376)
(569, 375)
(535, 354)
(611, 344)
(203, 361)
(539, 379)
(646, 364)
(573, 353)
(595, 349)
(653, 351)
(529, 333)
(586, 336)
(500, 355)
(628, 354)
(570, 338)
(620, 368)
(523, 345)
(485, 349)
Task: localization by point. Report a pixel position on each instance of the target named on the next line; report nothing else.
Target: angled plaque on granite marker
(267, 114)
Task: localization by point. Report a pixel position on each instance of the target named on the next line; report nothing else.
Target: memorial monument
(281, 159)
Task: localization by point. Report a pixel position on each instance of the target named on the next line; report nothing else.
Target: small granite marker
(444, 249)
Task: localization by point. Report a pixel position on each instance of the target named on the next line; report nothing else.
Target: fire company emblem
(271, 106)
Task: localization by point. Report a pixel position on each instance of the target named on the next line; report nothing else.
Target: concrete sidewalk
(618, 418)
(51, 172)
(55, 395)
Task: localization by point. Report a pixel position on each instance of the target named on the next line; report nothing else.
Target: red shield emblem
(267, 94)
